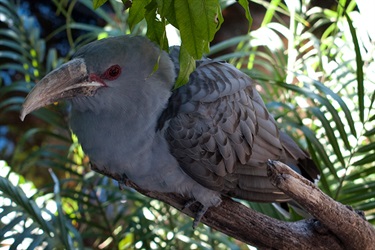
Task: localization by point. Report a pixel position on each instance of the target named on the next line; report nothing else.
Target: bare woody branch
(336, 227)
(352, 229)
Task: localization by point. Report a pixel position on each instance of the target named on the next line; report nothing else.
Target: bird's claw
(199, 214)
(123, 182)
(189, 203)
(121, 185)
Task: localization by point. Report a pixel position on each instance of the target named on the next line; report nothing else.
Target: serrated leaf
(137, 12)
(166, 10)
(97, 3)
(198, 22)
(245, 6)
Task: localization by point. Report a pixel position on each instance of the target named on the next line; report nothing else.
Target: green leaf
(61, 219)
(267, 208)
(245, 6)
(270, 13)
(187, 66)
(345, 109)
(102, 13)
(319, 148)
(359, 62)
(14, 45)
(354, 188)
(155, 28)
(166, 10)
(366, 148)
(98, 3)
(370, 132)
(365, 160)
(358, 193)
(324, 101)
(330, 133)
(198, 22)
(127, 3)
(360, 173)
(29, 206)
(137, 12)
(9, 226)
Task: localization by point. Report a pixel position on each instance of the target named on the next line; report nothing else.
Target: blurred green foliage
(316, 72)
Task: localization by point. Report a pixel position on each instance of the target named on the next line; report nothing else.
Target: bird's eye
(112, 72)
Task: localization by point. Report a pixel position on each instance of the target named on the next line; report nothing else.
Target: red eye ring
(112, 72)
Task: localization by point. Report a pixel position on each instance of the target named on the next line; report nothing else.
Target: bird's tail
(299, 159)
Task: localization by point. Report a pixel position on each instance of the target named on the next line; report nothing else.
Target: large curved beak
(69, 80)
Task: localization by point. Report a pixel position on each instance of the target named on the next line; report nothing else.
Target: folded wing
(222, 134)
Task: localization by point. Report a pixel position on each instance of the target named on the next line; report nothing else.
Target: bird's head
(111, 73)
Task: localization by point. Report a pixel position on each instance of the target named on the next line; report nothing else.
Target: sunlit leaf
(166, 10)
(330, 134)
(366, 148)
(345, 109)
(365, 160)
(198, 22)
(370, 132)
(17, 195)
(359, 63)
(98, 3)
(155, 28)
(137, 12)
(359, 173)
(245, 6)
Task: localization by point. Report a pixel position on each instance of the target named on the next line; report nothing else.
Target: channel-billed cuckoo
(208, 138)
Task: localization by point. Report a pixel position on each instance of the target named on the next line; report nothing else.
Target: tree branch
(338, 227)
(351, 228)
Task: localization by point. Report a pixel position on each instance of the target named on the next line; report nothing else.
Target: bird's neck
(119, 140)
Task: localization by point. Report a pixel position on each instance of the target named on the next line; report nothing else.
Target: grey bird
(210, 137)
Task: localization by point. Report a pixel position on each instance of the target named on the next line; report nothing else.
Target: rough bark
(336, 226)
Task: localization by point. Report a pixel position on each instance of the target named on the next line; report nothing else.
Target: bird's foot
(359, 212)
(199, 214)
(123, 182)
(189, 203)
(121, 185)
(202, 208)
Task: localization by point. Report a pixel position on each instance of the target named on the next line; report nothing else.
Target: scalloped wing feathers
(222, 134)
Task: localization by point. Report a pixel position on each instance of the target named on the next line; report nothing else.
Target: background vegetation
(316, 72)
